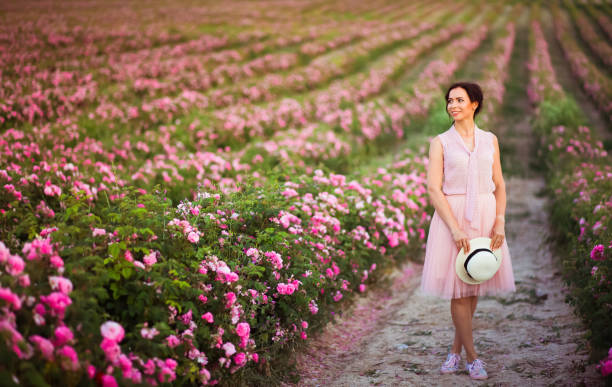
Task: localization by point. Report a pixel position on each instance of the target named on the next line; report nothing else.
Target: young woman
(466, 187)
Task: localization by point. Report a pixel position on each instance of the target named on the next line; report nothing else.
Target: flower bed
(213, 286)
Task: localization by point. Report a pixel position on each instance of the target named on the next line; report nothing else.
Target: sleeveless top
(465, 172)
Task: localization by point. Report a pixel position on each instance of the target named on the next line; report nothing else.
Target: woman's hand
(461, 240)
(497, 234)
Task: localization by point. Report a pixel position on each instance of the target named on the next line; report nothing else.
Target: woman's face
(459, 106)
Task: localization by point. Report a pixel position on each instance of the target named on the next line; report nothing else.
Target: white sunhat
(480, 263)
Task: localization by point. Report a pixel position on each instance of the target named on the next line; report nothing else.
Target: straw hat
(480, 264)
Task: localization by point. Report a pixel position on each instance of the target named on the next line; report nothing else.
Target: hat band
(470, 257)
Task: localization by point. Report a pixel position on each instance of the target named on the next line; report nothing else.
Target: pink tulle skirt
(439, 277)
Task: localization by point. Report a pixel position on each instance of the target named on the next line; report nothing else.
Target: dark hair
(474, 92)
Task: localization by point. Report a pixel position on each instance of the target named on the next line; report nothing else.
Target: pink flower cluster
(112, 334)
(192, 233)
(288, 288)
(223, 273)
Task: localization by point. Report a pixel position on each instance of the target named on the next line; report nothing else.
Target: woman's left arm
(498, 231)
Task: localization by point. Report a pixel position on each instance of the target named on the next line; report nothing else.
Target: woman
(469, 203)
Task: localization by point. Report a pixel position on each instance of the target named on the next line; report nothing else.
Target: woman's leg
(462, 310)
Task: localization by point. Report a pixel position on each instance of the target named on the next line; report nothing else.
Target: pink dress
(468, 186)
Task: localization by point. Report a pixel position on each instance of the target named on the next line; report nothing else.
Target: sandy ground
(398, 336)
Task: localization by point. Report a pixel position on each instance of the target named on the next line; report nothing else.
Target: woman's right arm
(435, 172)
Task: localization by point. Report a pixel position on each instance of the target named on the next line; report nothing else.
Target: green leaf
(139, 212)
(254, 270)
(181, 284)
(113, 275)
(113, 251)
(126, 272)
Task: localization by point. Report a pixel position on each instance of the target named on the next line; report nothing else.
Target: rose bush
(131, 289)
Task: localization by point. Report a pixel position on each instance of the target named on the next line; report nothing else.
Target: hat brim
(476, 243)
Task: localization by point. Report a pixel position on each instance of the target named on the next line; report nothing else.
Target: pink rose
(112, 331)
(150, 259)
(597, 254)
(229, 349)
(111, 349)
(52, 189)
(44, 346)
(231, 277)
(193, 237)
(91, 371)
(63, 334)
(208, 317)
(56, 261)
(149, 333)
(98, 232)
(149, 367)
(24, 280)
(166, 375)
(125, 363)
(109, 381)
(70, 354)
(230, 298)
(62, 284)
(10, 297)
(243, 329)
(135, 375)
(15, 265)
(338, 296)
(171, 363)
(172, 341)
(204, 375)
(240, 359)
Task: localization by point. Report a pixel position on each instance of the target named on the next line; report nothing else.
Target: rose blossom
(240, 359)
(193, 237)
(45, 346)
(62, 284)
(597, 254)
(111, 349)
(112, 331)
(150, 259)
(172, 341)
(243, 329)
(15, 265)
(229, 349)
(63, 334)
(208, 317)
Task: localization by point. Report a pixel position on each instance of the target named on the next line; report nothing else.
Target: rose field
(191, 191)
